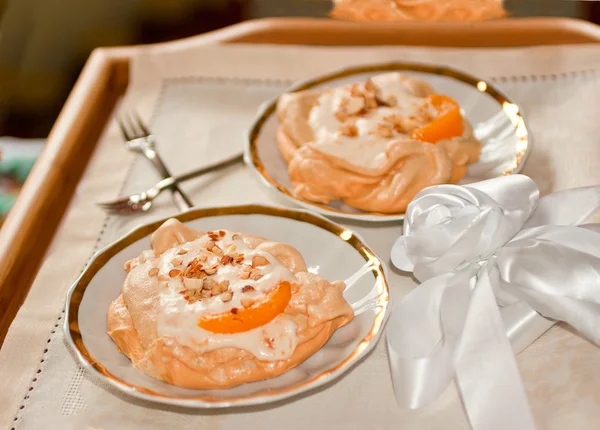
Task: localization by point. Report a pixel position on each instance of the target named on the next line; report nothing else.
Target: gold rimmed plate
(329, 250)
(498, 123)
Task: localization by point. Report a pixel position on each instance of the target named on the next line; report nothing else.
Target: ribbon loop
(492, 257)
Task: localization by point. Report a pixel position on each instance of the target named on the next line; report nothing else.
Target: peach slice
(247, 318)
(448, 123)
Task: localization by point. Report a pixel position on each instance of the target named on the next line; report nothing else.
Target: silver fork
(142, 202)
(138, 138)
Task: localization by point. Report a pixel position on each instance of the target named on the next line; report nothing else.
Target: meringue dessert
(421, 10)
(217, 309)
(373, 144)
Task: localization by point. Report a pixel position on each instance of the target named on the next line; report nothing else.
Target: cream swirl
(178, 316)
(401, 107)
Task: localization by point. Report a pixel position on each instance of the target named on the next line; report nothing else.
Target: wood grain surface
(32, 223)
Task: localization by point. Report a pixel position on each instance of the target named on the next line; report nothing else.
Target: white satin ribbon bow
(492, 256)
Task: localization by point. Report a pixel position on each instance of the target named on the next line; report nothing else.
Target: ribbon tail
(421, 345)
(486, 371)
(420, 360)
(568, 207)
(523, 325)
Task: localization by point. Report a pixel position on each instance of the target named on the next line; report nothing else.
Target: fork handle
(173, 180)
(181, 200)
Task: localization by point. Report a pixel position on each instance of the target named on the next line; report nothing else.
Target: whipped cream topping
(345, 125)
(178, 315)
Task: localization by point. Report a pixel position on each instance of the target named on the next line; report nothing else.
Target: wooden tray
(32, 223)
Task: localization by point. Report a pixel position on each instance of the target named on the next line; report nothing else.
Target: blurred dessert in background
(417, 10)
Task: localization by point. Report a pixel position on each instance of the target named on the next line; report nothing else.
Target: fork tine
(117, 208)
(126, 205)
(115, 203)
(112, 203)
(111, 206)
(140, 123)
(136, 133)
(126, 135)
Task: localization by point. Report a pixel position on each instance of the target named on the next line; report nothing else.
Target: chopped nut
(226, 259)
(223, 286)
(221, 233)
(355, 90)
(174, 272)
(246, 302)
(163, 278)
(193, 284)
(244, 275)
(194, 269)
(259, 260)
(192, 295)
(177, 261)
(203, 258)
(212, 247)
(211, 270)
(255, 275)
(371, 93)
(191, 292)
(384, 130)
(397, 122)
(206, 294)
(352, 106)
(239, 258)
(213, 236)
(362, 99)
(216, 290)
(371, 102)
(182, 251)
(349, 130)
(341, 116)
(227, 296)
(234, 311)
(209, 283)
(248, 289)
(370, 86)
(153, 271)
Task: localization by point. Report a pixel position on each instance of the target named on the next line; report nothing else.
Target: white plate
(497, 122)
(329, 249)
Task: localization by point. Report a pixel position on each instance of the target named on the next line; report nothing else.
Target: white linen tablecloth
(200, 102)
